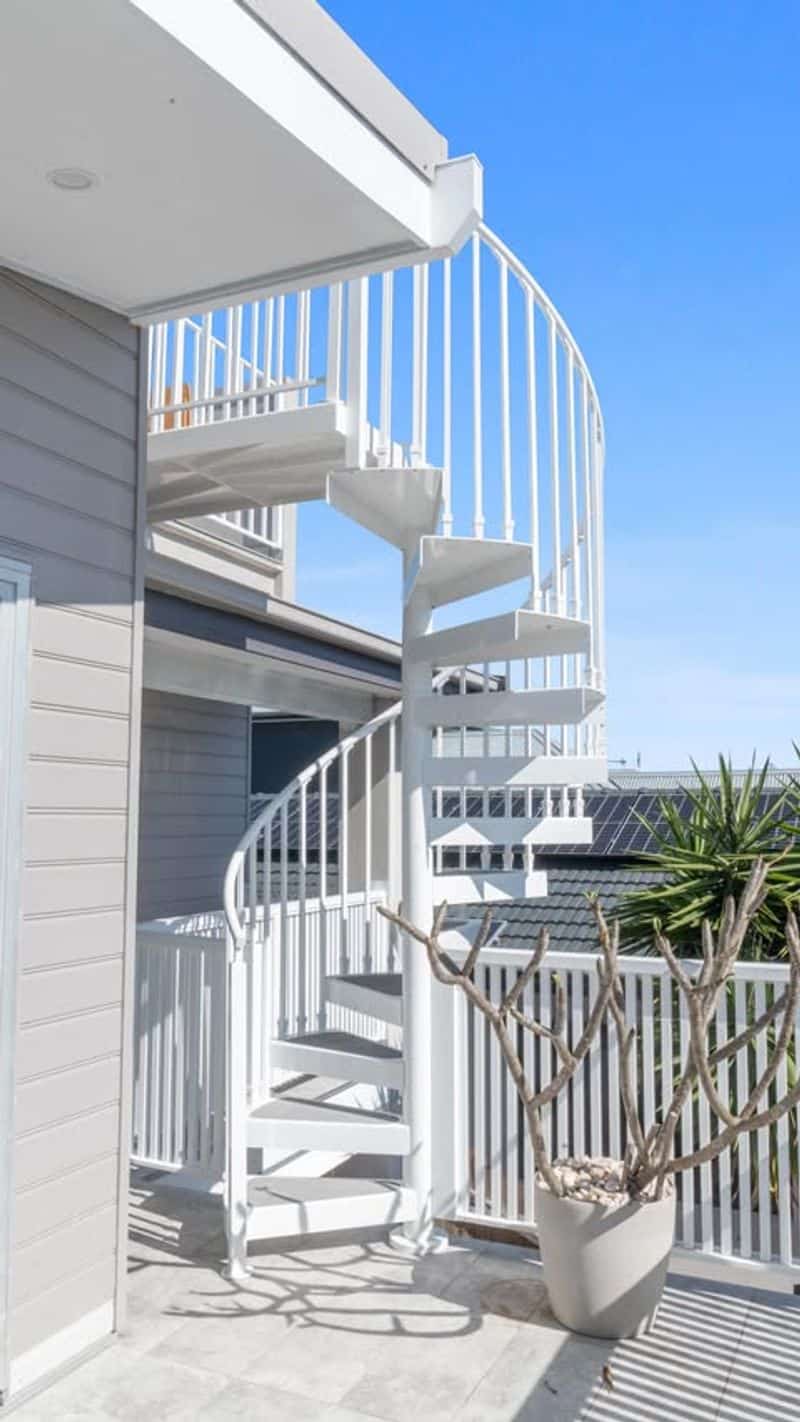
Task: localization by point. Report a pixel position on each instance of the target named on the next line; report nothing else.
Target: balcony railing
(261, 528)
(463, 364)
(744, 1205)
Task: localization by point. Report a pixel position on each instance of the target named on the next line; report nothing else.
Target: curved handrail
(498, 246)
(263, 821)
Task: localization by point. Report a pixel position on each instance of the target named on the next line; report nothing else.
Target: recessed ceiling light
(72, 180)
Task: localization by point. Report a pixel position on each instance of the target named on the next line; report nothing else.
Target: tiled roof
(565, 910)
(690, 780)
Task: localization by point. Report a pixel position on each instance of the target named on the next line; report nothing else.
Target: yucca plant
(708, 856)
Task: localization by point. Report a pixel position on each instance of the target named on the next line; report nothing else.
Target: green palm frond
(708, 854)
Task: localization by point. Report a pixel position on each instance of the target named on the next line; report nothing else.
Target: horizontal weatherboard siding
(194, 801)
(69, 375)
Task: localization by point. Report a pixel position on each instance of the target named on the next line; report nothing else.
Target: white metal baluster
(207, 369)
(387, 344)
(447, 396)
(588, 514)
(306, 343)
(344, 791)
(575, 609)
(322, 1019)
(419, 377)
(599, 572)
(281, 964)
(533, 450)
(228, 366)
(280, 351)
(357, 370)
(369, 965)
(299, 340)
(194, 415)
(479, 522)
(505, 405)
(555, 469)
(178, 362)
(256, 969)
(255, 373)
(269, 336)
(302, 861)
(333, 373)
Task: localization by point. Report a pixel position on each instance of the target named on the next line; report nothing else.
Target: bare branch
(521, 982)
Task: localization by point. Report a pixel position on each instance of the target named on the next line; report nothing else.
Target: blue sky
(642, 159)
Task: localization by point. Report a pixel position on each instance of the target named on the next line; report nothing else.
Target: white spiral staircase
(455, 406)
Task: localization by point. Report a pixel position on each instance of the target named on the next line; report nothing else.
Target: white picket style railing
(745, 1204)
(260, 526)
(179, 1031)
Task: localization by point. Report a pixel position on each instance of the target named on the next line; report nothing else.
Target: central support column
(417, 1235)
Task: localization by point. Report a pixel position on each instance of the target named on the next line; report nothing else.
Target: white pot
(605, 1266)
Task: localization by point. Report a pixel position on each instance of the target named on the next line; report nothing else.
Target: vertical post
(478, 521)
(357, 331)
(421, 1019)
(236, 1111)
(387, 341)
(505, 405)
(447, 397)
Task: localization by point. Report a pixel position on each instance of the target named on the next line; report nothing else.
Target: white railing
(179, 1031)
(463, 364)
(744, 1204)
(260, 526)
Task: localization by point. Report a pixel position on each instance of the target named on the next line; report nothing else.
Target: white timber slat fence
(744, 1204)
(179, 1031)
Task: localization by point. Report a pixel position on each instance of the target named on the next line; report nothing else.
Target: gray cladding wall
(68, 477)
(194, 801)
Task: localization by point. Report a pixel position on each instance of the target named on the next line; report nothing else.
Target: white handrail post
(387, 341)
(333, 376)
(236, 1111)
(357, 332)
(420, 1024)
(447, 396)
(419, 371)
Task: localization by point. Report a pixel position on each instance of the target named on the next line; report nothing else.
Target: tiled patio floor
(346, 1331)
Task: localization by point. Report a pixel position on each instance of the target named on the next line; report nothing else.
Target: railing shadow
(716, 1352)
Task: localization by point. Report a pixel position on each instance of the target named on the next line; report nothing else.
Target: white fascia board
(435, 217)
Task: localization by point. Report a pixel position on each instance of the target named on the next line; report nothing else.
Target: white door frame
(15, 596)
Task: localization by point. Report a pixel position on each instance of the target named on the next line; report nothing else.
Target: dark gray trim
(229, 629)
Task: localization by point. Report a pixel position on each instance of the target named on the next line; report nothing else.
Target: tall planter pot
(605, 1266)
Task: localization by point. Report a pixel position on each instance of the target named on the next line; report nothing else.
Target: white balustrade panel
(743, 1204)
(179, 1028)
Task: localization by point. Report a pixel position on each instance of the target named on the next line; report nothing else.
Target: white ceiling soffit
(220, 164)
